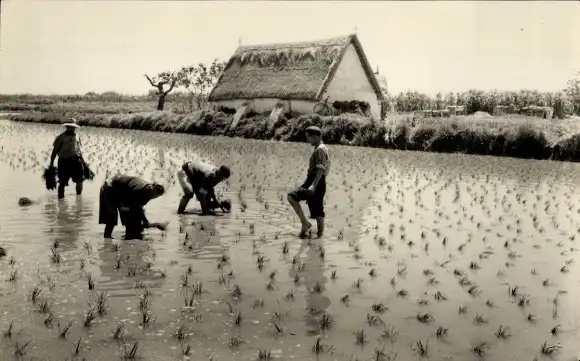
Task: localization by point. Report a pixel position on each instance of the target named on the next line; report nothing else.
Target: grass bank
(515, 136)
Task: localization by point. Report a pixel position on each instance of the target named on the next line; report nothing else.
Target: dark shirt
(130, 191)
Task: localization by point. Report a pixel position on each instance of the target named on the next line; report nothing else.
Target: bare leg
(306, 225)
(109, 231)
(183, 203)
(61, 187)
(320, 226)
(79, 188)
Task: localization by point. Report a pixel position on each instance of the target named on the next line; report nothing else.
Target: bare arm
(319, 174)
(55, 148)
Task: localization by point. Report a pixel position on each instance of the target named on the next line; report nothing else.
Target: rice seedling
(422, 348)
(258, 304)
(45, 306)
(325, 322)
(8, 332)
(35, 294)
(180, 333)
(361, 337)
(131, 271)
(185, 349)
(65, 330)
(13, 276)
(131, 353)
(20, 348)
(264, 355)
(358, 284)
(197, 288)
(90, 281)
(555, 330)
(333, 275)
(374, 320)
(49, 320)
(479, 319)
(425, 318)
(119, 332)
(402, 293)
(3, 252)
(238, 318)
(235, 342)
(78, 347)
(55, 256)
(480, 349)
(549, 350)
(345, 299)
(503, 332)
(438, 296)
(379, 307)
(12, 261)
(146, 318)
(532, 318)
(89, 318)
(441, 332)
(390, 333)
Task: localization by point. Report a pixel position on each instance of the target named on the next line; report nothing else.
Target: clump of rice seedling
(119, 332)
(514, 291)
(390, 333)
(35, 294)
(290, 295)
(185, 280)
(425, 317)
(13, 276)
(20, 349)
(422, 348)
(373, 273)
(64, 331)
(318, 347)
(345, 299)
(532, 318)
(464, 281)
(90, 281)
(146, 318)
(238, 318)
(374, 320)
(474, 291)
(549, 350)
(379, 307)
(236, 291)
(197, 288)
(402, 293)
(523, 301)
(89, 318)
(361, 337)
(132, 271)
(480, 349)
(439, 296)
(102, 303)
(479, 319)
(258, 304)
(358, 284)
(131, 354)
(185, 349)
(555, 330)
(82, 263)
(235, 342)
(317, 288)
(474, 266)
(264, 355)
(45, 306)
(325, 322)
(333, 275)
(489, 303)
(48, 321)
(3, 252)
(503, 332)
(180, 333)
(78, 346)
(8, 332)
(285, 247)
(12, 261)
(441, 331)
(55, 256)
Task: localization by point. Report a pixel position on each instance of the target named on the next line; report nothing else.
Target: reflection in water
(67, 219)
(314, 283)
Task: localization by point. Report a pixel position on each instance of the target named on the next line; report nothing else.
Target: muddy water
(403, 229)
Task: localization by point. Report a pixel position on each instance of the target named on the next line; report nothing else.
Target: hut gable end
(297, 71)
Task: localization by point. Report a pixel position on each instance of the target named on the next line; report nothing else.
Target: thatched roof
(300, 71)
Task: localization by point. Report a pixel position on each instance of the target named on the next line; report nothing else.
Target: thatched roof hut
(288, 71)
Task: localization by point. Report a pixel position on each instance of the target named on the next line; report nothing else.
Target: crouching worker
(126, 196)
(199, 179)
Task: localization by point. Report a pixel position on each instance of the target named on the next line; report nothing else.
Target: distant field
(513, 135)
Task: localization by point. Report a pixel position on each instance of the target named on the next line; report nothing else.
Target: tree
(199, 80)
(160, 81)
(573, 92)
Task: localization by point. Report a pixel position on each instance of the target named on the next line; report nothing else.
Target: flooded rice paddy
(425, 256)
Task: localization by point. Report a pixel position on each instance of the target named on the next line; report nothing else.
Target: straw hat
(72, 123)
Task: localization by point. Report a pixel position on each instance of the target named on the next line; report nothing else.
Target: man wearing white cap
(70, 160)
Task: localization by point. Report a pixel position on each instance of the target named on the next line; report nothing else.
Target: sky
(74, 47)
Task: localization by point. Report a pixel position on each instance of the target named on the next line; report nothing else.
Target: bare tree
(160, 81)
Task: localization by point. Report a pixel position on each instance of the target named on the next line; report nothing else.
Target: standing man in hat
(70, 160)
(313, 189)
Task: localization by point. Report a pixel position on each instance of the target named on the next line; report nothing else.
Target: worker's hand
(311, 190)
